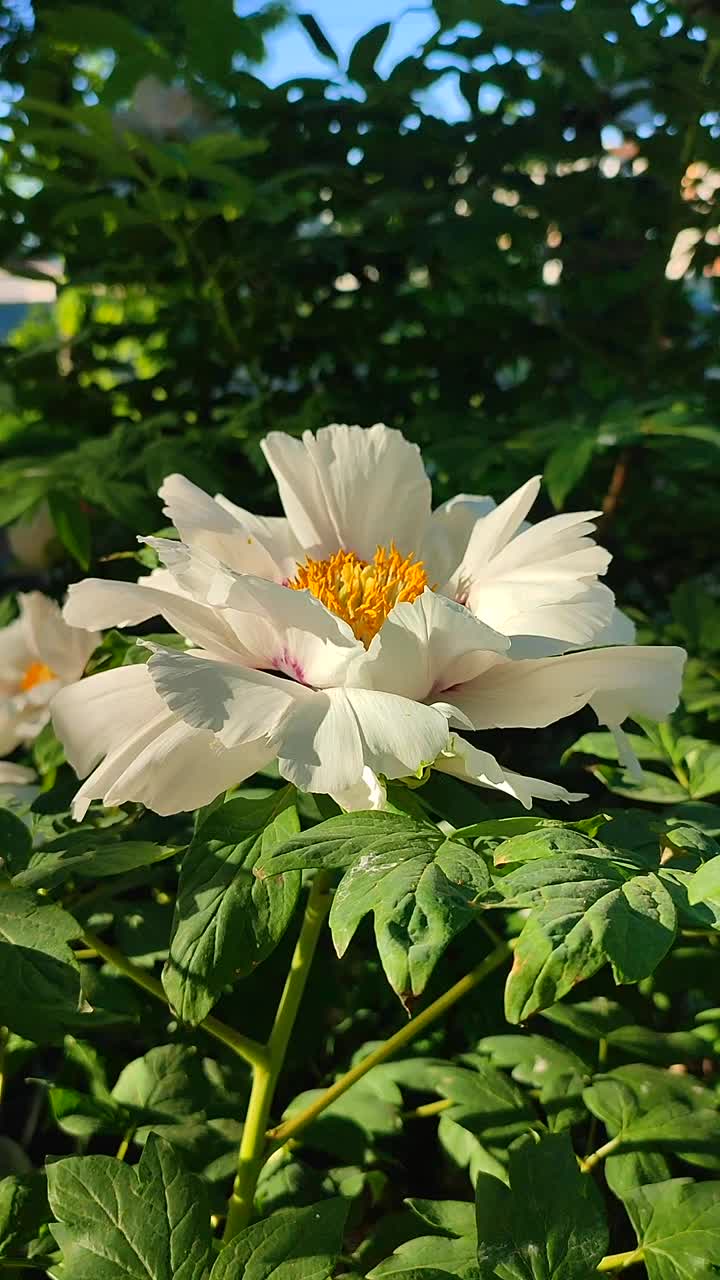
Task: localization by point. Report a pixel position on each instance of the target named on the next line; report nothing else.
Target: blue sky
(291, 53)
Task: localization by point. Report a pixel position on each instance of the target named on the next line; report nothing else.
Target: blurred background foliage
(525, 283)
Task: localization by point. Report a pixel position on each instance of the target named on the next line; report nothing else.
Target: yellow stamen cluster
(36, 673)
(362, 592)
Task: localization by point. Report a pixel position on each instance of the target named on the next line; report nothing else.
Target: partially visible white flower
(31, 538)
(354, 640)
(39, 654)
(15, 775)
(162, 110)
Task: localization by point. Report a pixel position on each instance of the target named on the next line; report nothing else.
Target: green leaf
(71, 525)
(655, 788)
(583, 914)
(315, 33)
(677, 1224)
(121, 1223)
(226, 919)
(15, 839)
(557, 1072)
(452, 1217)
(467, 1151)
(432, 1258)
(539, 843)
(549, 1223)
(353, 1122)
(631, 1169)
(23, 1210)
(646, 1109)
(567, 465)
(39, 978)
(419, 905)
(705, 883)
(485, 1102)
(165, 1086)
(292, 1244)
(81, 1115)
(703, 761)
(211, 32)
(603, 746)
(342, 840)
(367, 50)
(88, 854)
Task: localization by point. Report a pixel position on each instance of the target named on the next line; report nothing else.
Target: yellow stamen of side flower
(362, 592)
(36, 673)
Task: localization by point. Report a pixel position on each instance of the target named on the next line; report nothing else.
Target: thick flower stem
(250, 1050)
(253, 1147)
(401, 1038)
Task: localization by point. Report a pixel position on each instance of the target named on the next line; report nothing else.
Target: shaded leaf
(226, 919)
(39, 978)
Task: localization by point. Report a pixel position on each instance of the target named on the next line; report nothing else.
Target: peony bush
(306, 974)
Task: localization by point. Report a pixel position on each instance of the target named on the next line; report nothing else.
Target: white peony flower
(353, 640)
(39, 654)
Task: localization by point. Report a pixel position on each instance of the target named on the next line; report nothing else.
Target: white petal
(10, 735)
(234, 538)
(97, 715)
(319, 747)
(16, 654)
(63, 648)
(96, 602)
(15, 775)
(329, 738)
(626, 755)
(368, 793)
(617, 682)
(352, 488)
(539, 580)
(572, 613)
(275, 534)
(428, 646)
(619, 630)
(400, 737)
(483, 770)
(237, 704)
(448, 533)
(292, 631)
(493, 531)
(171, 768)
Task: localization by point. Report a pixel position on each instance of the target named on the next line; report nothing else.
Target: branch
(290, 1128)
(251, 1050)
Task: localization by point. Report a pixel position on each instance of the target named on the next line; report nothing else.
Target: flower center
(36, 673)
(362, 592)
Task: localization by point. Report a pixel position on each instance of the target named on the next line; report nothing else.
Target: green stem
(619, 1261)
(124, 1147)
(4, 1033)
(265, 1075)
(250, 1050)
(292, 1127)
(594, 1159)
(429, 1109)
